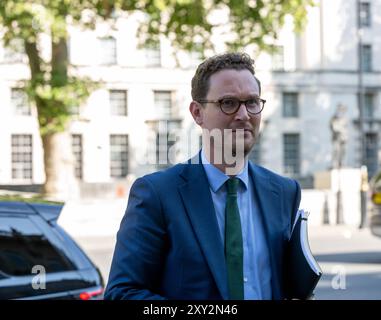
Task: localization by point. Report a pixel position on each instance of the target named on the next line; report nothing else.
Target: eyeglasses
(231, 105)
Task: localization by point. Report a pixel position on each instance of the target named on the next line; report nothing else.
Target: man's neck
(228, 169)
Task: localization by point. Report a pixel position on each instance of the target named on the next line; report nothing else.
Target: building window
(107, 50)
(196, 54)
(22, 152)
(163, 145)
(368, 106)
(15, 52)
(20, 103)
(278, 58)
(153, 55)
(366, 58)
(291, 153)
(371, 152)
(119, 155)
(290, 105)
(118, 102)
(195, 58)
(74, 110)
(166, 133)
(364, 12)
(77, 151)
(163, 103)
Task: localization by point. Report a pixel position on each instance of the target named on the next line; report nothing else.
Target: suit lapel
(269, 203)
(199, 206)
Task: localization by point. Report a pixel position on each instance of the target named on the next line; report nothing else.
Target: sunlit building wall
(120, 132)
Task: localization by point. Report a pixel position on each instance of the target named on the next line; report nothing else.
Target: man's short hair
(235, 60)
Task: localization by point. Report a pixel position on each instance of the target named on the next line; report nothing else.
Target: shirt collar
(217, 178)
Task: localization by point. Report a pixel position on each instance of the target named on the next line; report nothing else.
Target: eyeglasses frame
(219, 101)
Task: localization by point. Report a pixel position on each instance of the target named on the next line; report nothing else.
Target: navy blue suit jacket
(168, 244)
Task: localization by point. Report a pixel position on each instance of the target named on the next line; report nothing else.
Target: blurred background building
(121, 132)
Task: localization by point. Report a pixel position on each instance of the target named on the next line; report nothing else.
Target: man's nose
(242, 113)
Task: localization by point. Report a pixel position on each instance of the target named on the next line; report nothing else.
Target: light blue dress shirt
(256, 260)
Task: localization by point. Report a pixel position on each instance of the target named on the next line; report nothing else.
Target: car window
(24, 246)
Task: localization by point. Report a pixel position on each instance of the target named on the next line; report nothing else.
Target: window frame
(366, 58)
(365, 14)
(116, 107)
(78, 155)
(165, 112)
(296, 171)
(14, 162)
(290, 111)
(124, 168)
(369, 109)
(277, 58)
(372, 162)
(18, 109)
(153, 55)
(106, 56)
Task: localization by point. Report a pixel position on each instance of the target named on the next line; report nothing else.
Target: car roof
(47, 211)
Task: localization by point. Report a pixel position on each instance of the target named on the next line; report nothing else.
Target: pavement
(93, 217)
(351, 262)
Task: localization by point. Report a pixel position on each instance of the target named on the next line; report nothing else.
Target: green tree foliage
(52, 86)
(187, 22)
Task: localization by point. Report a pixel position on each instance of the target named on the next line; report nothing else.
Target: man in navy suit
(210, 228)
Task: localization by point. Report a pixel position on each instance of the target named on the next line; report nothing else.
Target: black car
(39, 260)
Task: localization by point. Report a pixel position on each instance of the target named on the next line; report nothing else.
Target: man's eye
(228, 102)
(253, 102)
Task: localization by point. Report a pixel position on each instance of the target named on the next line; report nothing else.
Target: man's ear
(196, 111)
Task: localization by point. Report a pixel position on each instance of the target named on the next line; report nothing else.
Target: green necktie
(233, 242)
